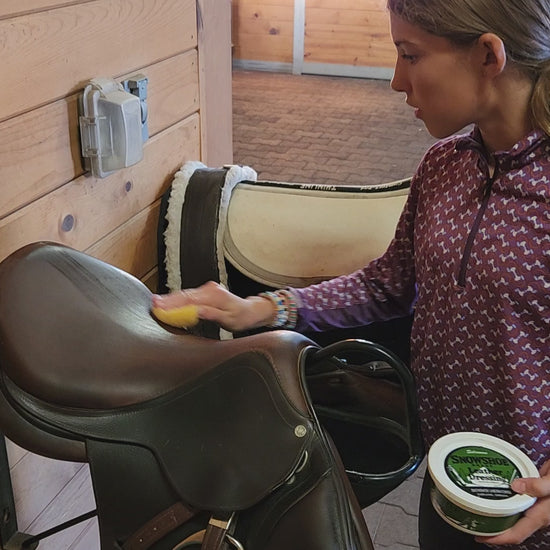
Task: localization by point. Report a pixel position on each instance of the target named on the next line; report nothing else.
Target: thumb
(532, 486)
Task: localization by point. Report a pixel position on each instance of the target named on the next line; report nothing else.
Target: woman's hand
(215, 303)
(535, 518)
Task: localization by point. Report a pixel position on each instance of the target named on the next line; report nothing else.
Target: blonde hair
(522, 25)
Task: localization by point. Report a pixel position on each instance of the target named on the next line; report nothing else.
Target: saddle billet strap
(159, 526)
(216, 532)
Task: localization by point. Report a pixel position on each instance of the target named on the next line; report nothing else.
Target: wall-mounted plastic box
(110, 127)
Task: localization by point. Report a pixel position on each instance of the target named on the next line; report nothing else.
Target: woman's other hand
(535, 518)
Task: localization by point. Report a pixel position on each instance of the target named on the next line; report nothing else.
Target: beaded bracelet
(281, 313)
(286, 309)
(291, 307)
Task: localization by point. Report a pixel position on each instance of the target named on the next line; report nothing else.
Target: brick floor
(334, 130)
(324, 129)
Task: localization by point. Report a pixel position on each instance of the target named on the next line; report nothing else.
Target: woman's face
(442, 82)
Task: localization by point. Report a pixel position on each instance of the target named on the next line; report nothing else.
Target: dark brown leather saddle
(192, 442)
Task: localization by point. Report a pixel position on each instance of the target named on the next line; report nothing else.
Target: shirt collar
(520, 154)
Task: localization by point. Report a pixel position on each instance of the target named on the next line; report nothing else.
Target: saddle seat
(165, 418)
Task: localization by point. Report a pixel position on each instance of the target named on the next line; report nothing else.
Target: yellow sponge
(180, 317)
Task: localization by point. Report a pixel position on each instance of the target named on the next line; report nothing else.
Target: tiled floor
(338, 131)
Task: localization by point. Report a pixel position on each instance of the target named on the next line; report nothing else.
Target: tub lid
(474, 471)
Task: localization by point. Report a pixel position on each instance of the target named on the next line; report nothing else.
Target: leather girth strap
(158, 527)
(214, 536)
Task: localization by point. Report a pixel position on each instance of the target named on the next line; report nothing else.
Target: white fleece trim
(172, 234)
(173, 217)
(234, 175)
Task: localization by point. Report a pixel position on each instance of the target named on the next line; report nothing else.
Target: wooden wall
(347, 32)
(263, 30)
(49, 49)
(297, 33)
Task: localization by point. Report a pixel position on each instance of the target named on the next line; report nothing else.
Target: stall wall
(49, 49)
(340, 37)
(263, 31)
(349, 33)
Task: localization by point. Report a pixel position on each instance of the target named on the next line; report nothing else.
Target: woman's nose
(398, 82)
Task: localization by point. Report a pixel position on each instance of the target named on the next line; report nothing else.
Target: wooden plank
(382, 60)
(265, 27)
(257, 3)
(12, 8)
(151, 280)
(259, 15)
(268, 48)
(352, 45)
(346, 35)
(49, 135)
(372, 53)
(74, 499)
(263, 31)
(214, 44)
(132, 247)
(49, 55)
(173, 90)
(81, 212)
(379, 5)
(350, 37)
(36, 481)
(369, 20)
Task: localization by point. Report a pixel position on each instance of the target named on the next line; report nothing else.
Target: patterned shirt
(471, 256)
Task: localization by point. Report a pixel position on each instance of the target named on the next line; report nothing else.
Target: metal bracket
(137, 85)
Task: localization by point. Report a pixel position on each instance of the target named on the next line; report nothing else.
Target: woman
(471, 253)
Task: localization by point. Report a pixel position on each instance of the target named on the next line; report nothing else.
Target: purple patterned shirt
(471, 255)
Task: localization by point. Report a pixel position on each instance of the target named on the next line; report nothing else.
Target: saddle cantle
(191, 442)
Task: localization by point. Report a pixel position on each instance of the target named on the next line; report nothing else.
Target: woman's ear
(492, 53)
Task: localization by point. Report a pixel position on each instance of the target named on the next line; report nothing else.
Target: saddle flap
(274, 229)
(224, 441)
(239, 436)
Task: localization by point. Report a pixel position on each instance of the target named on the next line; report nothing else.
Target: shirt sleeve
(382, 290)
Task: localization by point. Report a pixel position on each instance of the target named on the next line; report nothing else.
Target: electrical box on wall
(112, 122)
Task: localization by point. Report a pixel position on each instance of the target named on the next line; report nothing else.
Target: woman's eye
(408, 57)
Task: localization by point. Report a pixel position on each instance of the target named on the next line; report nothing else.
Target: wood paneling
(49, 135)
(263, 30)
(339, 32)
(141, 231)
(348, 34)
(55, 52)
(49, 49)
(12, 8)
(216, 107)
(81, 212)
